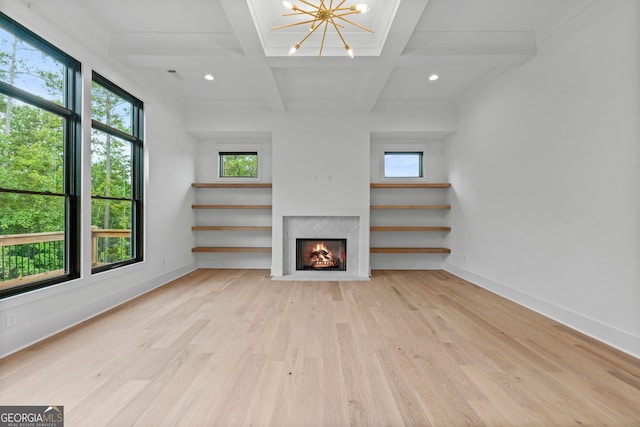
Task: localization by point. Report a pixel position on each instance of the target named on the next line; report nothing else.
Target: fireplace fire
(321, 254)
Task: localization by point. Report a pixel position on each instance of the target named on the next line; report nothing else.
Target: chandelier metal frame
(322, 15)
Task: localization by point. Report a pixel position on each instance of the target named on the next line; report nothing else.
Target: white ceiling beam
(406, 19)
(240, 18)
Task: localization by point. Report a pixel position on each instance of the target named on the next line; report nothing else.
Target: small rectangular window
(238, 164)
(403, 164)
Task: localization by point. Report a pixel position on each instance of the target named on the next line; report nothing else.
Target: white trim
(607, 334)
(400, 262)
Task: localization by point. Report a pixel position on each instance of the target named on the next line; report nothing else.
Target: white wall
(169, 171)
(321, 168)
(545, 167)
(321, 161)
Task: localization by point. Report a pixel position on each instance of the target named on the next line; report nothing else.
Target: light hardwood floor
(414, 348)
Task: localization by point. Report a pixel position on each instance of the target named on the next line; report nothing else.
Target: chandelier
(324, 15)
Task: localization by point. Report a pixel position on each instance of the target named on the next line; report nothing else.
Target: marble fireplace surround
(328, 227)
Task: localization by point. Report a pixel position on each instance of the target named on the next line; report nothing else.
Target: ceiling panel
(160, 15)
(490, 15)
(413, 84)
(318, 86)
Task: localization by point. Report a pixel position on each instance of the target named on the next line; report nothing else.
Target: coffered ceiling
(468, 43)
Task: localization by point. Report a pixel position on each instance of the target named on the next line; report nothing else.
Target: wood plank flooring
(409, 348)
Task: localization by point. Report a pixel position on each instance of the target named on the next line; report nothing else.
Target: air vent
(175, 74)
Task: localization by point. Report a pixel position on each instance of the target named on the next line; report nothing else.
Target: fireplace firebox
(321, 254)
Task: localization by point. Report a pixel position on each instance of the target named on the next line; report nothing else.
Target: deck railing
(30, 257)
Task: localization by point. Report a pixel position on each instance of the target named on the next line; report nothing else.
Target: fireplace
(325, 229)
(321, 254)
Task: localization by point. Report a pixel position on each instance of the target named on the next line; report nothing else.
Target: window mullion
(112, 131)
(36, 101)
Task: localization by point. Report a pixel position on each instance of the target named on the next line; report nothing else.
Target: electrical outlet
(11, 320)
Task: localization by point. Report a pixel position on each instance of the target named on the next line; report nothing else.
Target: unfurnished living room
(320, 213)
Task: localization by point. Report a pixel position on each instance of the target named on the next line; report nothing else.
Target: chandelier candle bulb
(349, 51)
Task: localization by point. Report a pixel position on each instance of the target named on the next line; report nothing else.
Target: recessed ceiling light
(208, 77)
(433, 77)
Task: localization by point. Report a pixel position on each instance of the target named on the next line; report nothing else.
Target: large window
(116, 176)
(39, 162)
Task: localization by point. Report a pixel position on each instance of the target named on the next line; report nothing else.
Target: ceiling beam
(240, 18)
(408, 13)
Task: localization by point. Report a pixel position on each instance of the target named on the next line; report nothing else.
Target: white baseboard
(424, 265)
(51, 322)
(609, 335)
(384, 261)
(249, 261)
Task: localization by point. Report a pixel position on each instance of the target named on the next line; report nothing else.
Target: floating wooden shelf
(231, 228)
(411, 228)
(231, 185)
(231, 206)
(231, 249)
(411, 185)
(432, 207)
(410, 250)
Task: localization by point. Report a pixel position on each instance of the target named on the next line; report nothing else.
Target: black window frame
(221, 155)
(404, 152)
(136, 138)
(71, 114)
